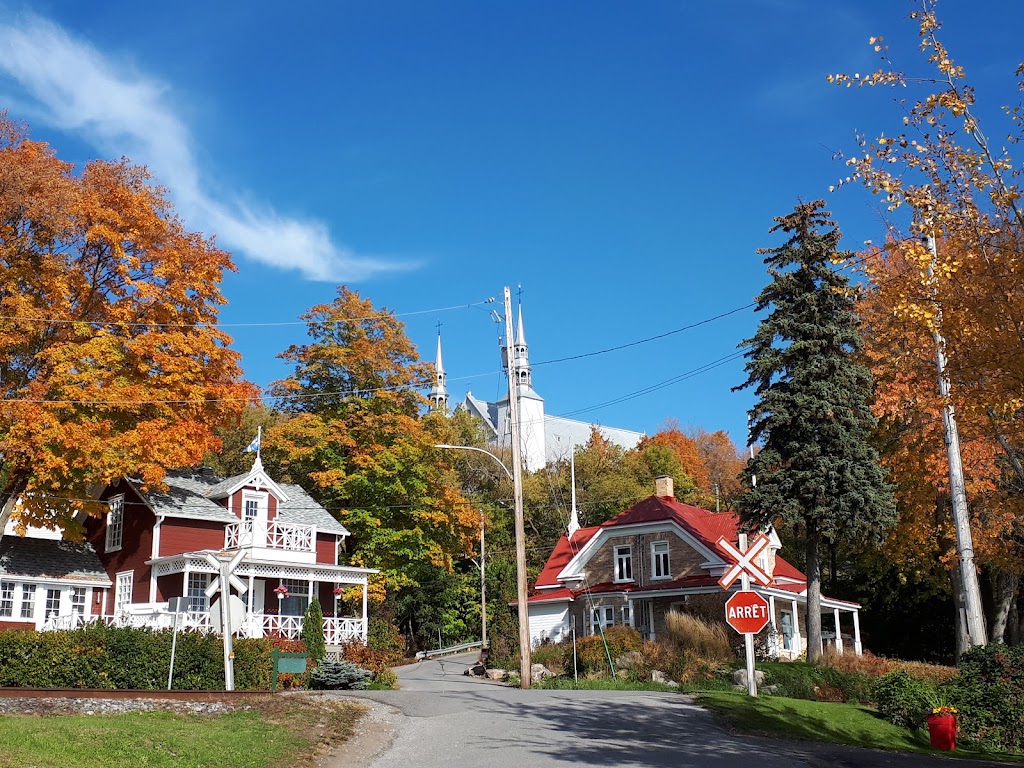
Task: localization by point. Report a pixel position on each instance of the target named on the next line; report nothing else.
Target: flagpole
(259, 440)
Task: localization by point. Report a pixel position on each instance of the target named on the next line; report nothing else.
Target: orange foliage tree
(111, 364)
(355, 438)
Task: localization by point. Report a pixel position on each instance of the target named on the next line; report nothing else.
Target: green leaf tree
(817, 469)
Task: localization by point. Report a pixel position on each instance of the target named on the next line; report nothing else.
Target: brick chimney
(664, 486)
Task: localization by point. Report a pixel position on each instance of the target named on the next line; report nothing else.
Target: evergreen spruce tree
(816, 469)
(313, 631)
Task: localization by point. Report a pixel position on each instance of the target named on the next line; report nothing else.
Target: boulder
(657, 676)
(497, 674)
(539, 672)
(629, 660)
(739, 677)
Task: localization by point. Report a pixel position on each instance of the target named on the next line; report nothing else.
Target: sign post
(746, 611)
(222, 583)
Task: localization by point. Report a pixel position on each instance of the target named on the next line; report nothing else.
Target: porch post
(858, 649)
(184, 587)
(839, 636)
(312, 594)
(776, 645)
(366, 623)
(798, 643)
(771, 612)
(250, 621)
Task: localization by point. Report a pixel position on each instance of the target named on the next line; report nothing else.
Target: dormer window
(254, 506)
(624, 563)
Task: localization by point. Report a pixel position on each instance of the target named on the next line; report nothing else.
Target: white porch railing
(291, 537)
(337, 631)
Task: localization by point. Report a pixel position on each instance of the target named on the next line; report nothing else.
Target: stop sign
(746, 612)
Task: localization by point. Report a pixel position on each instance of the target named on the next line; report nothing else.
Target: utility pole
(525, 662)
(958, 494)
(483, 584)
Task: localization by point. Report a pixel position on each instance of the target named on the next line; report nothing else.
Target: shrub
(340, 675)
(554, 656)
(903, 699)
(988, 691)
(313, 631)
(100, 656)
(696, 637)
(386, 678)
(373, 659)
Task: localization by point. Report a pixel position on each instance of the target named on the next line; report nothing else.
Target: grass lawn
(283, 731)
(851, 724)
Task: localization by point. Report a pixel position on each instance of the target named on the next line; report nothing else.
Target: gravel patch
(93, 706)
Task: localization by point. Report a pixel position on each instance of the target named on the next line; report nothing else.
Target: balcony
(274, 536)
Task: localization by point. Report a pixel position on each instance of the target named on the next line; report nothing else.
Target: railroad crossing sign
(746, 612)
(744, 562)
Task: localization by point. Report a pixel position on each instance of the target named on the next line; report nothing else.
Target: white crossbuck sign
(744, 562)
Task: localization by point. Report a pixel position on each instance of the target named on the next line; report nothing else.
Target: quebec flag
(254, 446)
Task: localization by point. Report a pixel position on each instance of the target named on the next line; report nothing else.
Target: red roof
(707, 527)
(565, 550)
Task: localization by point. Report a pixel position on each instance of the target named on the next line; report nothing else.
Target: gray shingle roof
(190, 493)
(303, 509)
(186, 496)
(50, 558)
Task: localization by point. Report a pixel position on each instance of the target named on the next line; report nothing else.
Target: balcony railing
(291, 537)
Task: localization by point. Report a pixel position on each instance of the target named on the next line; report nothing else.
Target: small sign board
(287, 663)
(747, 612)
(177, 605)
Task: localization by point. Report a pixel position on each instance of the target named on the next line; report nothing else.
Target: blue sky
(620, 161)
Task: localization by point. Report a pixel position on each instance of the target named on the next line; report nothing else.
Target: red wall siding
(179, 535)
(235, 505)
(17, 625)
(136, 543)
(271, 506)
(170, 586)
(325, 548)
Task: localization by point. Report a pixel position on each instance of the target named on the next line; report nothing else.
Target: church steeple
(438, 394)
(521, 354)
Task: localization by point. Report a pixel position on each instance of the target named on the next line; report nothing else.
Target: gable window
(115, 523)
(254, 505)
(6, 598)
(198, 602)
(28, 601)
(52, 603)
(252, 508)
(659, 560)
(624, 563)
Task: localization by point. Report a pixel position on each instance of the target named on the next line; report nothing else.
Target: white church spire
(521, 354)
(438, 394)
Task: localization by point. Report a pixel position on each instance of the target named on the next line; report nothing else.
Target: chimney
(664, 486)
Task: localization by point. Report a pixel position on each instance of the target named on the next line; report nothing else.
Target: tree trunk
(1004, 595)
(813, 619)
(963, 642)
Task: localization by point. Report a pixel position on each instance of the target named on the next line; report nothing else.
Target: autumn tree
(816, 469)
(940, 170)
(723, 465)
(356, 440)
(112, 364)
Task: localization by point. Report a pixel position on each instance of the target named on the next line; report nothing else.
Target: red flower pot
(942, 731)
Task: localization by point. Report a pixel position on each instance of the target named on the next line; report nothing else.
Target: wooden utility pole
(976, 629)
(525, 661)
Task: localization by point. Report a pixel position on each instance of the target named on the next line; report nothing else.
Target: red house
(662, 555)
(156, 545)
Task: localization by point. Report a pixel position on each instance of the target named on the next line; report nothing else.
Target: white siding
(549, 622)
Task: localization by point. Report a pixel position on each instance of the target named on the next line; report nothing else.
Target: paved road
(443, 719)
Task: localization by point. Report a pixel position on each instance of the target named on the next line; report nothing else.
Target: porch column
(839, 636)
(775, 644)
(184, 588)
(798, 643)
(858, 649)
(366, 622)
(313, 594)
(771, 612)
(650, 615)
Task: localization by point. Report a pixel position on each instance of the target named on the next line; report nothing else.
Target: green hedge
(988, 692)
(99, 656)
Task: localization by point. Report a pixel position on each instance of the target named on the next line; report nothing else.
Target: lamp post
(525, 662)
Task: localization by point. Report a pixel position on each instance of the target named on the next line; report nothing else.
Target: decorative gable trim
(573, 571)
(257, 478)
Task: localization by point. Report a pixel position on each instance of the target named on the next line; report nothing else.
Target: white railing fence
(291, 537)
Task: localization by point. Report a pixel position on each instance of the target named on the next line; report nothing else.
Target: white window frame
(124, 582)
(115, 524)
(787, 638)
(28, 601)
(627, 615)
(7, 592)
(262, 502)
(623, 561)
(601, 617)
(195, 592)
(661, 565)
(298, 589)
(49, 609)
(79, 600)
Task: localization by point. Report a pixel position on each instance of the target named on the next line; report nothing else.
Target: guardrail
(449, 650)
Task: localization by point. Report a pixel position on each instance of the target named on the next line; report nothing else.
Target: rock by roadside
(91, 706)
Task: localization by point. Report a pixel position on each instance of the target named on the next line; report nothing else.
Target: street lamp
(525, 661)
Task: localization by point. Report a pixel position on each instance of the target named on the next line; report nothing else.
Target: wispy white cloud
(66, 83)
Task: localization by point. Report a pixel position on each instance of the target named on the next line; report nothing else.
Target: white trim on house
(123, 581)
(113, 538)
